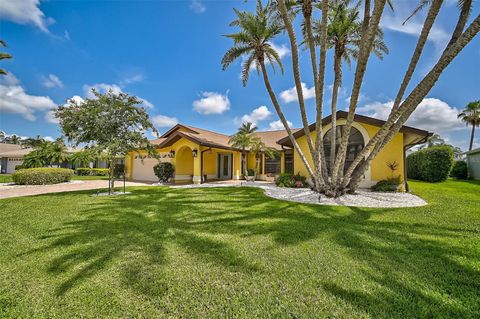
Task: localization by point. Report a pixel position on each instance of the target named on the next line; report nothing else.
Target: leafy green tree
(114, 123)
(471, 116)
(4, 56)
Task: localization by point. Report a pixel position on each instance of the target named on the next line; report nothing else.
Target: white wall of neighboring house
(11, 163)
(473, 163)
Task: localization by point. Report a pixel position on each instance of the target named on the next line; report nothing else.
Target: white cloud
(14, 99)
(394, 22)
(25, 12)
(52, 81)
(133, 79)
(431, 114)
(50, 117)
(290, 95)
(164, 121)
(278, 125)
(261, 113)
(197, 6)
(282, 49)
(212, 103)
(48, 138)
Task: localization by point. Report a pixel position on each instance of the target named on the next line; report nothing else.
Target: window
(272, 165)
(289, 161)
(355, 145)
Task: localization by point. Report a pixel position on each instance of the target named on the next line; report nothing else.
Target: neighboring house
(11, 155)
(473, 163)
(200, 155)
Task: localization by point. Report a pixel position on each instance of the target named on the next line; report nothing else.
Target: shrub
(290, 180)
(164, 171)
(91, 171)
(432, 164)
(459, 170)
(42, 176)
(387, 185)
(17, 167)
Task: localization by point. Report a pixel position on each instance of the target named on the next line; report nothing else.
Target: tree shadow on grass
(406, 269)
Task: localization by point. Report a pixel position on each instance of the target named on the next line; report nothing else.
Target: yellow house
(200, 155)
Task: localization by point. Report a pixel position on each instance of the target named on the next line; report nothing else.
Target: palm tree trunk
(337, 70)
(319, 80)
(472, 137)
(427, 26)
(364, 54)
(297, 78)
(283, 119)
(466, 6)
(417, 95)
(366, 15)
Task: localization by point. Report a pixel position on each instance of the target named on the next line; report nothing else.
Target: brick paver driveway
(19, 190)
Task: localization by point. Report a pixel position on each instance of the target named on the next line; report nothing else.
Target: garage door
(11, 163)
(143, 170)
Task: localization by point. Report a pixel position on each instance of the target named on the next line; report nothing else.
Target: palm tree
(471, 116)
(82, 158)
(253, 41)
(247, 128)
(56, 153)
(34, 159)
(13, 139)
(344, 33)
(241, 141)
(4, 56)
(257, 147)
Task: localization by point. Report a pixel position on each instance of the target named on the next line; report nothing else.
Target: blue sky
(168, 53)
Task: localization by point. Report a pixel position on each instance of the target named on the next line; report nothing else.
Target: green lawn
(7, 178)
(232, 252)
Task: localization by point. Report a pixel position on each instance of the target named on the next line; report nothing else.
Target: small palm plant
(471, 116)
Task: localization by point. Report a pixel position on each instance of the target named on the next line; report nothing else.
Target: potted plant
(250, 176)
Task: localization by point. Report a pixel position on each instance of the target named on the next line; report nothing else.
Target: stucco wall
(393, 151)
(473, 162)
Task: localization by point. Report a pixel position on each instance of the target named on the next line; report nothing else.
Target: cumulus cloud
(25, 12)
(212, 103)
(14, 99)
(261, 113)
(164, 121)
(282, 49)
(278, 125)
(431, 114)
(197, 6)
(52, 81)
(290, 95)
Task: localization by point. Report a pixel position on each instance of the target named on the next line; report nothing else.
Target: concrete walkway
(10, 190)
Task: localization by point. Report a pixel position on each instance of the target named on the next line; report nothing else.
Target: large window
(272, 165)
(355, 144)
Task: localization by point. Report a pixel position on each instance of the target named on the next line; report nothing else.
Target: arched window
(355, 144)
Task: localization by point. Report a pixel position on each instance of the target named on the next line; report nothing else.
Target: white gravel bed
(362, 198)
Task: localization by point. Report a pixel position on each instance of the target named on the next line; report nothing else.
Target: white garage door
(143, 170)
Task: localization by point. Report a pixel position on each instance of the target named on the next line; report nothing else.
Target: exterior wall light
(194, 153)
(172, 153)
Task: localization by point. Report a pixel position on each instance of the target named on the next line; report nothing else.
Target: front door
(225, 161)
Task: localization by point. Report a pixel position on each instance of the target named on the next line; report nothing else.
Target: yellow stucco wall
(393, 151)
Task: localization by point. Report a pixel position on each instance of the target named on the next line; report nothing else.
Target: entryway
(224, 166)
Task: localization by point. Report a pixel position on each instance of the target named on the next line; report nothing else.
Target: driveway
(8, 191)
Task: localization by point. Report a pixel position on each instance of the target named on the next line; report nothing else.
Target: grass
(7, 178)
(232, 252)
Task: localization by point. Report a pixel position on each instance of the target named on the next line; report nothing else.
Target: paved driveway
(7, 191)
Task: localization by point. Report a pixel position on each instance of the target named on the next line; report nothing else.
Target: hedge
(42, 176)
(432, 164)
(92, 171)
(459, 170)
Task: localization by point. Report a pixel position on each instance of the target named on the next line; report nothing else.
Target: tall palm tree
(253, 42)
(4, 56)
(471, 116)
(344, 33)
(247, 128)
